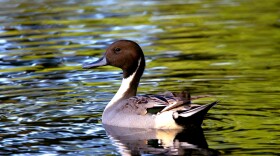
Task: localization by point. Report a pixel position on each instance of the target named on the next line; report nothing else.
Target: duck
(168, 110)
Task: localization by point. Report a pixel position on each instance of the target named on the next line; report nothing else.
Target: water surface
(227, 49)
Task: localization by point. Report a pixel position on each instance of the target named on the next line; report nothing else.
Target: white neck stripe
(126, 83)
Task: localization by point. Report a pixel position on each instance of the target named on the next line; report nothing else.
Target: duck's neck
(129, 84)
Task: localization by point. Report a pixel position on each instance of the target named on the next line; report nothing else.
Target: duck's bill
(101, 62)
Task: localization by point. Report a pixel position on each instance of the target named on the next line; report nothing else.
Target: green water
(228, 49)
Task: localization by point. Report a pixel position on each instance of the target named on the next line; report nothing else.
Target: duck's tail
(193, 116)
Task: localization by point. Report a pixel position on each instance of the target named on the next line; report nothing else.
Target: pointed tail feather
(194, 116)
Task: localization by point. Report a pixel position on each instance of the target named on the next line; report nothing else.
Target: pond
(228, 49)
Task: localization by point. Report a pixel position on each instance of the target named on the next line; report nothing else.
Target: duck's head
(124, 54)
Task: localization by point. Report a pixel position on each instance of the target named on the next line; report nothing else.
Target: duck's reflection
(131, 141)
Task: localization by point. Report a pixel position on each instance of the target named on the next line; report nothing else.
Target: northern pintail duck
(164, 111)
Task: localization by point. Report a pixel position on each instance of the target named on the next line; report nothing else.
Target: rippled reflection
(160, 142)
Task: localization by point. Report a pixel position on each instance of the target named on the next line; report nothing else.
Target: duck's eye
(117, 50)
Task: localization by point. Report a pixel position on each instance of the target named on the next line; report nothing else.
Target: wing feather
(154, 104)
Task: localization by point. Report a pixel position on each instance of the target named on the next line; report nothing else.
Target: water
(227, 49)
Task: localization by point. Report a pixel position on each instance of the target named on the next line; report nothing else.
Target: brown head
(124, 54)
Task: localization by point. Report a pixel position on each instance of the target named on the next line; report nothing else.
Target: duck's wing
(154, 104)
